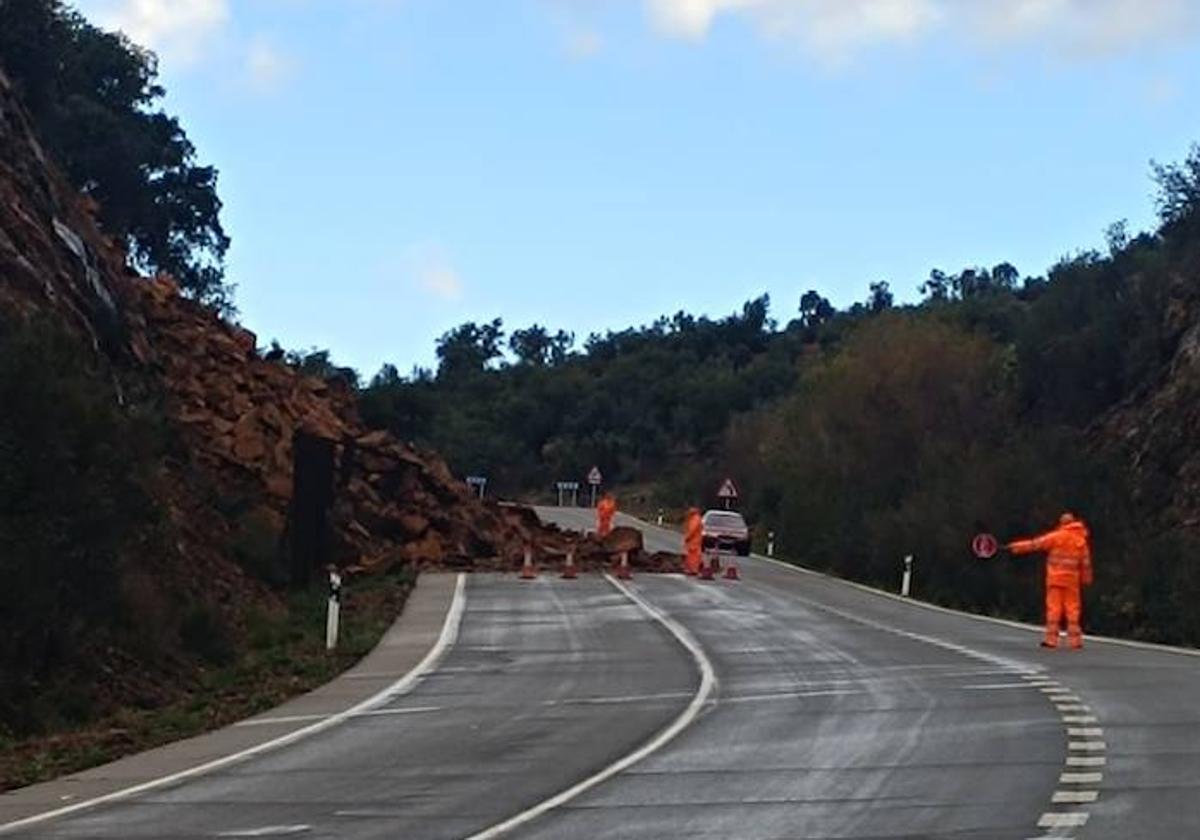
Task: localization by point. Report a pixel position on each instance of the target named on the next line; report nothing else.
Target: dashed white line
(1080, 778)
(1074, 797)
(1086, 761)
(1085, 731)
(1087, 746)
(1069, 819)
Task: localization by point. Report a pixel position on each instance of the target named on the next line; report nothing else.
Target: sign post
(728, 493)
(478, 482)
(595, 478)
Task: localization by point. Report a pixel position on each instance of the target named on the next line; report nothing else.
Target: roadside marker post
(906, 579)
(660, 517)
(333, 609)
(770, 543)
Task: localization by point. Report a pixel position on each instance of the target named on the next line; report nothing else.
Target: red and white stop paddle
(985, 546)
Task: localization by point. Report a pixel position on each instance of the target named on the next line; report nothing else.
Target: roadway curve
(837, 712)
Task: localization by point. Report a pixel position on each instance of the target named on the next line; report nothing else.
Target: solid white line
(406, 710)
(1074, 797)
(406, 683)
(1004, 622)
(1080, 778)
(708, 683)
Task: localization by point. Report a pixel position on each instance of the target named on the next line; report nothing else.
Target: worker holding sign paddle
(1068, 567)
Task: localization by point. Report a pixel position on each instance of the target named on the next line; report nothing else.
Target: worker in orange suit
(693, 538)
(606, 510)
(1068, 565)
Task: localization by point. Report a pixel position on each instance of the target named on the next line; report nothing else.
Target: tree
(93, 97)
(880, 297)
(469, 348)
(1178, 190)
(536, 346)
(814, 309)
(937, 287)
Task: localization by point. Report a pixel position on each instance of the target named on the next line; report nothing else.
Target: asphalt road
(835, 712)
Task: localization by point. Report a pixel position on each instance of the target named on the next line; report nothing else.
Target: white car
(725, 532)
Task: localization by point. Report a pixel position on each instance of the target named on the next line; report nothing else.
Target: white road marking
(1069, 819)
(1087, 746)
(403, 710)
(1085, 731)
(406, 683)
(708, 684)
(1072, 707)
(1074, 797)
(992, 686)
(1081, 778)
(1079, 718)
(1086, 761)
(268, 831)
(625, 698)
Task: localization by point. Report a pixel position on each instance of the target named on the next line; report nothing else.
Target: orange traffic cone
(706, 569)
(569, 571)
(623, 572)
(731, 572)
(528, 570)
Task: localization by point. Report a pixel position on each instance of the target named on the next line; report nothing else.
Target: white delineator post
(660, 516)
(770, 543)
(906, 579)
(333, 611)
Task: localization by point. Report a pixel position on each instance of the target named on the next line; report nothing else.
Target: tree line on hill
(864, 434)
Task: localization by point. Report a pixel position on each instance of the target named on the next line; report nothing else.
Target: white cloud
(176, 28)
(436, 277)
(266, 67)
(833, 30)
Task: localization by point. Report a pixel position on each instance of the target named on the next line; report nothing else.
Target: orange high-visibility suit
(605, 511)
(1068, 564)
(693, 538)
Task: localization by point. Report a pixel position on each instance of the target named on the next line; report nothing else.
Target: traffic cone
(623, 572)
(731, 572)
(528, 570)
(706, 570)
(569, 571)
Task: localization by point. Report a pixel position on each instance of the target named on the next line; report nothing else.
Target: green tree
(94, 98)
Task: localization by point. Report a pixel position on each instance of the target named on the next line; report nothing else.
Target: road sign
(595, 477)
(478, 482)
(565, 487)
(985, 546)
(728, 493)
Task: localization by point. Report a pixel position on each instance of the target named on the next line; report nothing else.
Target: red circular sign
(985, 546)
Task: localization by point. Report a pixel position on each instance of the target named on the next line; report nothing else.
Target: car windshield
(720, 519)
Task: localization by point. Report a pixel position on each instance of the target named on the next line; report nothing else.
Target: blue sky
(392, 168)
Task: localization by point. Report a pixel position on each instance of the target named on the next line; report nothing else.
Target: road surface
(832, 712)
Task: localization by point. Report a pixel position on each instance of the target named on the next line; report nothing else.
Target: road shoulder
(415, 635)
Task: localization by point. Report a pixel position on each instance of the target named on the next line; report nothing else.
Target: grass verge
(283, 656)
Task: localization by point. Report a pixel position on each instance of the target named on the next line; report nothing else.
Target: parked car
(725, 532)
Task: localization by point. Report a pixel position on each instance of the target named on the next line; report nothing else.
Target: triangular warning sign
(728, 490)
